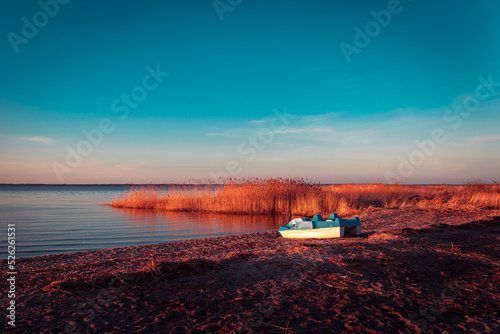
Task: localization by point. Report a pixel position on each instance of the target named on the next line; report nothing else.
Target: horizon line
(191, 184)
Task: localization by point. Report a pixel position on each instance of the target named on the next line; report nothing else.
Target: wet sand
(410, 271)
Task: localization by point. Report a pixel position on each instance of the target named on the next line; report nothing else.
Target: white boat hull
(317, 233)
(321, 233)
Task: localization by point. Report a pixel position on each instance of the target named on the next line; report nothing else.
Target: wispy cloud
(324, 117)
(257, 121)
(38, 139)
(287, 131)
(482, 139)
(391, 132)
(308, 129)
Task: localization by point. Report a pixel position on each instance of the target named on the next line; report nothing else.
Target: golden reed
(296, 196)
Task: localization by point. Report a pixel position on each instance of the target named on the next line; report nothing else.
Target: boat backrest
(334, 216)
(318, 218)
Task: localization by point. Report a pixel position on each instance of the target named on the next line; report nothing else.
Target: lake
(63, 219)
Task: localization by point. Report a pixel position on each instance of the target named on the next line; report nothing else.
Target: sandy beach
(410, 271)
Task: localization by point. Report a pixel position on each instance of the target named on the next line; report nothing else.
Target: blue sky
(236, 67)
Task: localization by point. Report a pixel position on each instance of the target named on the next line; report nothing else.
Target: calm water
(62, 219)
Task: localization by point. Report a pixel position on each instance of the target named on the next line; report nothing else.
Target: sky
(167, 91)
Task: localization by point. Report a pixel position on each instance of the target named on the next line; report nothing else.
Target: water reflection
(179, 225)
(62, 219)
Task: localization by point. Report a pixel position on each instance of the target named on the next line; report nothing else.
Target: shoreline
(136, 246)
(406, 263)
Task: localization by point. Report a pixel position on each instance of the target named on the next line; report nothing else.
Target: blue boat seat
(334, 216)
(318, 218)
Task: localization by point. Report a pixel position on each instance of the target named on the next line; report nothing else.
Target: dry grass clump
(164, 271)
(153, 272)
(480, 194)
(385, 237)
(294, 196)
(247, 195)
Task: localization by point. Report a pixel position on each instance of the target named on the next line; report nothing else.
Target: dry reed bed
(294, 196)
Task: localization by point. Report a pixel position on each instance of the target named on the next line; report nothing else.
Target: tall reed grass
(294, 196)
